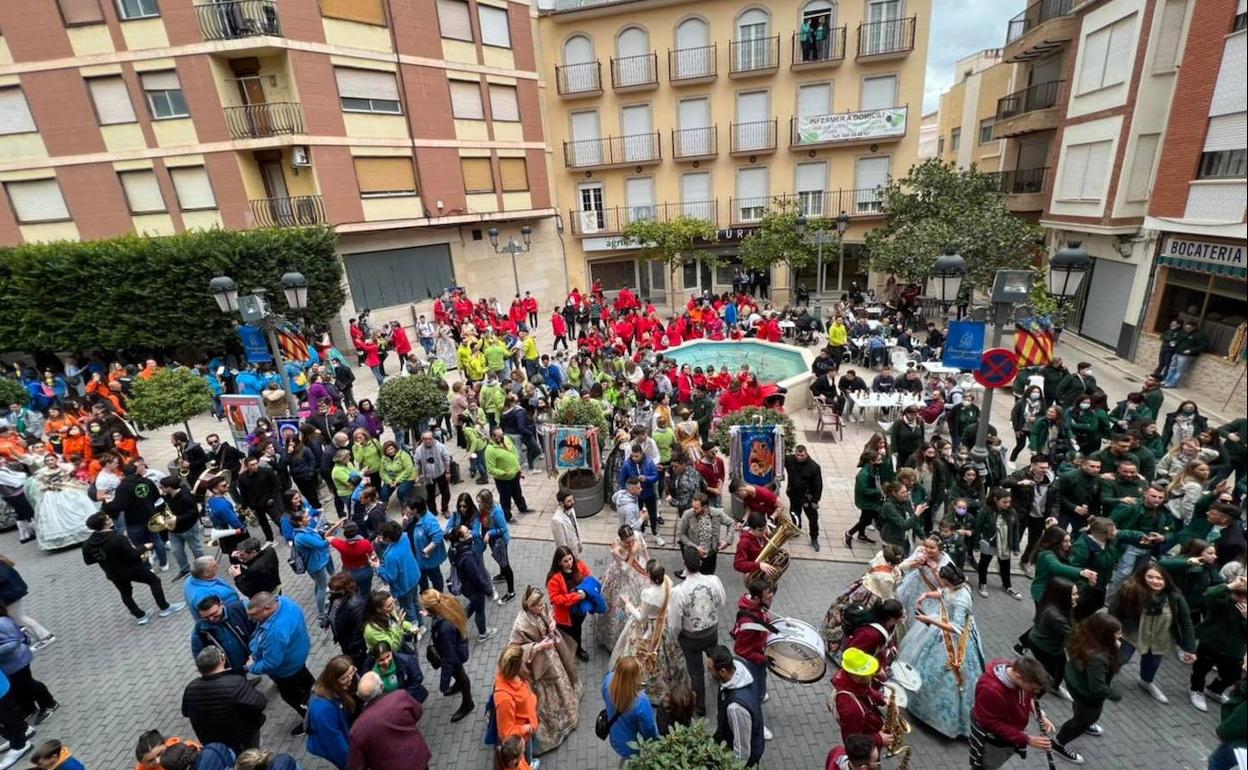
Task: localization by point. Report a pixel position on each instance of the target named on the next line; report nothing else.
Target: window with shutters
(385, 177)
(751, 194)
(363, 11)
(870, 177)
(111, 99)
(478, 175)
(1106, 55)
(164, 95)
(15, 117)
(79, 12)
(1169, 36)
(879, 93)
(513, 174)
(454, 21)
(37, 200)
(1140, 180)
(985, 130)
(494, 26)
(810, 180)
(504, 103)
(142, 191)
(955, 139)
(1223, 164)
(137, 9)
(466, 100)
(368, 91)
(193, 188)
(1084, 172)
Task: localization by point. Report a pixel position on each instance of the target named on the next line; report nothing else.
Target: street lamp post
(513, 248)
(1009, 288)
(254, 308)
(945, 280)
(820, 238)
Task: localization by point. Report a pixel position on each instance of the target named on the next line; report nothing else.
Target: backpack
(855, 616)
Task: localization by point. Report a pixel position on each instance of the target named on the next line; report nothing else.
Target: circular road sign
(997, 368)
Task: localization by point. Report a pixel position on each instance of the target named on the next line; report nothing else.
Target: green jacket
(367, 456)
(896, 520)
(495, 354)
(664, 439)
(1112, 493)
(1038, 441)
(985, 528)
(491, 400)
(1223, 631)
(1110, 461)
(1050, 631)
(476, 438)
(501, 462)
(1233, 728)
(867, 493)
(341, 474)
(1048, 566)
(1236, 451)
(1154, 398)
(1193, 580)
(1087, 554)
(1076, 488)
(1192, 344)
(398, 469)
(703, 408)
(1180, 619)
(1140, 518)
(1093, 682)
(1072, 388)
(1148, 462)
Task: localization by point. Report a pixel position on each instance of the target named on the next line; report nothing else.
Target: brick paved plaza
(115, 680)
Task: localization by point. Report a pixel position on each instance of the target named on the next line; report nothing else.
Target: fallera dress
(949, 663)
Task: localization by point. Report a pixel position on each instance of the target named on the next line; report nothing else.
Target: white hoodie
(739, 719)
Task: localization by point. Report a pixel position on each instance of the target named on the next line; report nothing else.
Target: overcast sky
(960, 27)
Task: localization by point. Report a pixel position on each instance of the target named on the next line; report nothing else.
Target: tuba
(773, 552)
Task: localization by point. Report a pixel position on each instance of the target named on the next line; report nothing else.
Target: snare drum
(796, 652)
(905, 675)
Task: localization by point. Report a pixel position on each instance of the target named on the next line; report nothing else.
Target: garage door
(1106, 304)
(398, 276)
(615, 274)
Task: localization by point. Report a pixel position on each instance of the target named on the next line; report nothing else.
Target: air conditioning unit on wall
(300, 157)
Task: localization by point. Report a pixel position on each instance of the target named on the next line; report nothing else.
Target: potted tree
(411, 402)
(169, 397)
(750, 415)
(690, 747)
(585, 485)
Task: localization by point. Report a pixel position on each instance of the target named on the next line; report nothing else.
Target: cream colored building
(969, 108)
(715, 108)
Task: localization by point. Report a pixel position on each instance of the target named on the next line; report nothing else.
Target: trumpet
(773, 552)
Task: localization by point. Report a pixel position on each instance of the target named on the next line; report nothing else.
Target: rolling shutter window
(1085, 168)
(810, 177)
(871, 173)
(454, 20)
(112, 100)
(879, 93)
(15, 117)
(1227, 132)
(1095, 47)
(37, 200)
(478, 176)
(1141, 175)
(514, 174)
(814, 100)
(1073, 163)
(142, 192)
(504, 104)
(81, 12)
(1170, 36)
(1229, 94)
(366, 84)
(1122, 41)
(494, 28)
(752, 183)
(363, 11)
(166, 80)
(380, 177)
(1097, 174)
(466, 100)
(193, 188)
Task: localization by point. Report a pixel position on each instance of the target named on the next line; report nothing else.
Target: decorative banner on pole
(242, 412)
(294, 346)
(1033, 341)
(965, 345)
(757, 454)
(255, 348)
(998, 368)
(571, 449)
(846, 126)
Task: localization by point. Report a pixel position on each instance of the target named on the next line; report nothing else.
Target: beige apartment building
(715, 109)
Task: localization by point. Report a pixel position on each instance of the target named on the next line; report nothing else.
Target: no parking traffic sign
(997, 368)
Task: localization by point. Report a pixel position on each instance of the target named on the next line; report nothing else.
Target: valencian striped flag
(1033, 341)
(294, 346)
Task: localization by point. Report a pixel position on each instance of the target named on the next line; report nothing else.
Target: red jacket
(748, 547)
(385, 735)
(712, 472)
(530, 304)
(402, 345)
(748, 644)
(559, 325)
(858, 707)
(561, 599)
(1001, 709)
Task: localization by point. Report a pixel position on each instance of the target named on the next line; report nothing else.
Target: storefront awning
(1199, 266)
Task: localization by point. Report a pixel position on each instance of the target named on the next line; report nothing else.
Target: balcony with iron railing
(753, 138)
(848, 128)
(694, 143)
(291, 211)
(612, 221)
(258, 121)
(812, 54)
(609, 151)
(686, 66)
(635, 73)
(889, 39)
(1035, 108)
(1023, 188)
(828, 204)
(574, 81)
(237, 19)
(757, 56)
(1041, 29)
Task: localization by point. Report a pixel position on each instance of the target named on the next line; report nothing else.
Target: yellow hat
(859, 663)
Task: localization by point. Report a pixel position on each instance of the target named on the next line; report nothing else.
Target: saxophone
(773, 552)
(896, 726)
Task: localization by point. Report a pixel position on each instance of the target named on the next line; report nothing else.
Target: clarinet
(1048, 753)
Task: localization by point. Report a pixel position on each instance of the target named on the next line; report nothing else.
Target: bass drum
(796, 652)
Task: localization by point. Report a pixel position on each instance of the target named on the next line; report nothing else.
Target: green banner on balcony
(852, 126)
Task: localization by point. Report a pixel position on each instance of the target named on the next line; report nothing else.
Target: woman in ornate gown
(625, 579)
(61, 505)
(687, 434)
(550, 667)
(879, 583)
(921, 576)
(944, 647)
(612, 464)
(646, 637)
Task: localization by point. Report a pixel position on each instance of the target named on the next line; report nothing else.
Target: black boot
(466, 705)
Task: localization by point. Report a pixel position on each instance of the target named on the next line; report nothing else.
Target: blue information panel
(254, 345)
(965, 346)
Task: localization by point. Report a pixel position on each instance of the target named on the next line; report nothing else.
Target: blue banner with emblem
(964, 347)
(255, 348)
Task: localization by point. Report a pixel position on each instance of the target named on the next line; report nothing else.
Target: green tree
(674, 242)
(407, 401)
(777, 241)
(169, 397)
(936, 206)
(12, 392)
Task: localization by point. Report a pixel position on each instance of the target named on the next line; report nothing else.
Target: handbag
(296, 562)
(433, 655)
(603, 725)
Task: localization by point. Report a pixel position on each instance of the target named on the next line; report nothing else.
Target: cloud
(959, 28)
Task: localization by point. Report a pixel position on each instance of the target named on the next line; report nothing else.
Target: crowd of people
(1134, 543)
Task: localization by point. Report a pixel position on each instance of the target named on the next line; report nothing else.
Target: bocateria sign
(1212, 252)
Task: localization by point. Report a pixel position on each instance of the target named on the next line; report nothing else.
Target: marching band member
(858, 753)
(856, 701)
(1004, 702)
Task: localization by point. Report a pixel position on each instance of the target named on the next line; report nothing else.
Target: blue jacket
(4, 684)
(399, 567)
(248, 383)
(288, 529)
(636, 723)
(328, 730)
(594, 603)
(553, 376)
(215, 756)
(72, 763)
(423, 532)
(233, 635)
(12, 586)
(280, 645)
(313, 548)
(648, 472)
(15, 652)
(195, 590)
(498, 528)
(730, 314)
(221, 511)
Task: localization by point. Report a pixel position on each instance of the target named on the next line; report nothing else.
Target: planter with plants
(691, 747)
(411, 403)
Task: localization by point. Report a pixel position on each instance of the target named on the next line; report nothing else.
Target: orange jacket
(146, 372)
(11, 446)
(515, 705)
(128, 448)
(76, 445)
(59, 425)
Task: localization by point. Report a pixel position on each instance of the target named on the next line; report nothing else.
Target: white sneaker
(172, 608)
(164, 567)
(12, 755)
(1094, 730)
(488, 635)
(1029, 571)
(766, 735)
(144, 620)
(1015, 595)
(983, 591)
(44, 642)
(659, 541)
(1152, 689)
(1220, 697)
(1198, 701)
(766, 697)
